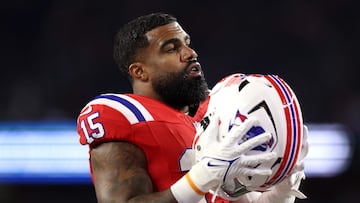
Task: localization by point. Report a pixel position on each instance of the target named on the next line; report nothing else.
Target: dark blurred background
(57, 55)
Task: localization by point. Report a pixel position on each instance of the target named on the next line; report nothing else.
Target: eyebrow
(173, 40)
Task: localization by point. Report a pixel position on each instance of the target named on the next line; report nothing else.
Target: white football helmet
(273, 103)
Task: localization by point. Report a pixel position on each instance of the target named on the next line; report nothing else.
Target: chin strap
(216, 192)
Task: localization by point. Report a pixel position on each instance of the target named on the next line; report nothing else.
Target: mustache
(192, 60)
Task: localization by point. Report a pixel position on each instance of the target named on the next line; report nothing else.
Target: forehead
(166, 32)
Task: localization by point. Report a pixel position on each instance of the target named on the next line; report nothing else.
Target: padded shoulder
(132, 109)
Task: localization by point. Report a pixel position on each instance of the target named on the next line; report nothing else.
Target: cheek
(170, 64)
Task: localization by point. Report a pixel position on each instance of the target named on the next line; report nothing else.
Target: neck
(146, 90)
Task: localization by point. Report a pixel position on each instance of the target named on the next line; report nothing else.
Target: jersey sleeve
(108, 118)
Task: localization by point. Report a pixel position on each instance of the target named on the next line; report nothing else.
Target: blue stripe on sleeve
(126, 103)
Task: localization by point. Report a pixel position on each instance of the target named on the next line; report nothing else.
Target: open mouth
(194, 70)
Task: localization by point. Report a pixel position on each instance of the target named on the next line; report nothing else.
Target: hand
(288, 189)
(305, 145)
(290, 185)
(228, 155)
(217, 161)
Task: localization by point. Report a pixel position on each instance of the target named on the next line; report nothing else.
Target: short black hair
(131, 37)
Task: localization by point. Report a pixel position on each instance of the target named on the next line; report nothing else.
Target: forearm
(137, 188)
(158, 197)
(120, 175)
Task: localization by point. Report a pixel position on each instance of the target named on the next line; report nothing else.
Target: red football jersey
(164, 134)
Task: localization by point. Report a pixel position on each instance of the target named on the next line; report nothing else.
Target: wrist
(201, 177)
(193, 185)
(185, 190)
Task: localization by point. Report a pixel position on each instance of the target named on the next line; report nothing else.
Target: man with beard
(141, 143)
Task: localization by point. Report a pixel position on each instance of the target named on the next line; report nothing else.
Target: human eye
(171, 45)
(171, 48)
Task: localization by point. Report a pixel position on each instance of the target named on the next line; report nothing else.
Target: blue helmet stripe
(294, 127)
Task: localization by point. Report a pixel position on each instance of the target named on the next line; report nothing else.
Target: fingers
(246, 164)
(299, 166)
(242, 128)
(252, 143)
(237, 132)
(305, 132)
(290, 185)
(253, 160)
(255, 172)
(305, 143)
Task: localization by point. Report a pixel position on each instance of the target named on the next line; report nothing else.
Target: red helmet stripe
(291, 112)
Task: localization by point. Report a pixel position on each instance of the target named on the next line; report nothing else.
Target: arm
(120, 170)
(120, 175)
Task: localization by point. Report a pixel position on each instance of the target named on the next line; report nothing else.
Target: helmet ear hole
(271, 101)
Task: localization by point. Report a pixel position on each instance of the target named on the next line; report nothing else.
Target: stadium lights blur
(330, 151)
(42, 152)
(48, 152)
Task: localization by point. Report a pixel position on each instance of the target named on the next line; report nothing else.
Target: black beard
(178, 91)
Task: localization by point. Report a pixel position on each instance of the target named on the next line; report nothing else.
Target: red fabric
(165, 139)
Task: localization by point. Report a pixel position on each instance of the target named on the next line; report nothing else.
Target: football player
(140, 143)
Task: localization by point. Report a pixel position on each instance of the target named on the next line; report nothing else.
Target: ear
(138, 71)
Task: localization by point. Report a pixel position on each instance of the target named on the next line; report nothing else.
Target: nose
(188, 53)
